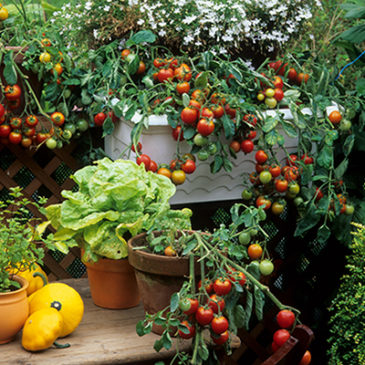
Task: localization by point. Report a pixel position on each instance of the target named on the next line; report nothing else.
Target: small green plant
(347, 323)
(20, 237)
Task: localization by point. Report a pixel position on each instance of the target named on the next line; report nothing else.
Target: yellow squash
(65, 299)
(42, 329)
(35, 283)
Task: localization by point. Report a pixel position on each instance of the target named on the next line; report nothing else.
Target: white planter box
(202, 185)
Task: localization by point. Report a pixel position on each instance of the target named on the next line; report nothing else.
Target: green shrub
(347, 323)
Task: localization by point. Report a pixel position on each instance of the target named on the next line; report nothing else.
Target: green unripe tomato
(184, 304)
(82, 125)
(253, 232)
(349, 209)
(71, 127)
(200, 140)
(266, 267)
(212, 148)
(265, 177)
(294, 188)
(67, 134)
(203, 155)
(298, 201)
(271, 102)
(51, 143)
(270, 92)
(246, 194)
(345, 125)
(244, 238)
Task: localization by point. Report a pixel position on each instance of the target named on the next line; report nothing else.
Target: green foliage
(347, 323)
(20, 234)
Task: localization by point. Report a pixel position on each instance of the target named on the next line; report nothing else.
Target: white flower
(140, 21)
(95, 33)
(106, 8)
(161, 33)
(189, 19)
(88, 5)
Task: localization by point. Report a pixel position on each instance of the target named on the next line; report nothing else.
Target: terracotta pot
(113, 284)
(158, 276)
(14, 310)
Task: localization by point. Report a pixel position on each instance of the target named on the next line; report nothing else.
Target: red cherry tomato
(216, 303)
(285, 318)
(222, 286)
(145, 159)
(281, 336)
(219, 324)
(190, 330)
(247, 146)
(222, 339)
(204, 316)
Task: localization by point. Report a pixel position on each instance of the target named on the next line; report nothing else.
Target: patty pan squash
(36, 282)
(65, 299)
(42, 329)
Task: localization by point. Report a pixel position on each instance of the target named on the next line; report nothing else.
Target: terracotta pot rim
(22, 281)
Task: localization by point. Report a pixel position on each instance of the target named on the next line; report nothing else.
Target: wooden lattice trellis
(42, 172)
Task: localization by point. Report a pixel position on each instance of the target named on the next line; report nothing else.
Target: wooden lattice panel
(42, 172)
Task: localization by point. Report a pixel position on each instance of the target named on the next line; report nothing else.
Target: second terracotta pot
(113, 284)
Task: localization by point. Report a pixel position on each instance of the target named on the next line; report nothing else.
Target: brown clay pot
(113, 284)
(158, 276)
(14, 310)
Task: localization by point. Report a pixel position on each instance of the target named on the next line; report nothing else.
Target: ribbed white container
(202, 185)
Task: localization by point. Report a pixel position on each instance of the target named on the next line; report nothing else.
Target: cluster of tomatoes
(210, 314)
(286, 319)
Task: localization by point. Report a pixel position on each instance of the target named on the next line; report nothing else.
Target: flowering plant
(260, 27)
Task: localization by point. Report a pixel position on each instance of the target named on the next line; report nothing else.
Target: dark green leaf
(235, 72)
(254, 270)
(76, 81)
(203, 351)
(259, 302)
(248, 309)
(51, 91)
(227, 164)
(108, 127)
(158, 345)
(140, 37)
(289, 129)
(85, 97)
(167, 342)
(307, 173)
(239, 316)
(355, 34)
(217, 164)
(142, 328)
(130, 112)
(325, 157)
(341, 169)
(228, 126)
(189, 132)
(311, 218)
(133, 64)
(9, 72)
(330, 137)
(174, 302)
(323, 234)
(201, 81)
(118, 109)
(107, 68)
(190, 246)
(360, 87)
(320, 178)
(349, 144)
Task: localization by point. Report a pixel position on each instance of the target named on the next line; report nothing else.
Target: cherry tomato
(216, 303)
(278, 82)
(231, 112)
(204, 315)
(51, 143)
(177, 133)
(247, 146)
(5, 130)
(178, 177)
(278, 94)
(58, 118)
(188, 166)
(244, 238)
(292, 74)
(141, 68)
(145, 159)
(264, 202)
(275, 170)
(44, 57)
(200, 141)
(207, 113)
(251, 134)
(307, 159)
(222, 339)
(15, 123)
(265, 177)
(250, 119)
(153, 166)
(189, 328)
(197, 94)
(165, 74)
(219, 324)
(12, 92)
(218, 111)
(235, 146)
(261, 156)
(254, 251)
(189, 115)
(271, 102)
(139, 147)
(183, 72)
(99, 119)
(277, 208)
(205, 127)
(2, 110)
(26, 141)
(28, 131)
(281, 185)
(15, 137)
(164, 171)
(208, 286)
(281, 336)
(222, 286)
(183, 87)
(294, 188)
(159, 62)
(335, 117)
(302, 77)
(31, 120)
(285, 318)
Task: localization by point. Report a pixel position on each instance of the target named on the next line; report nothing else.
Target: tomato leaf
(217, 164)
(355, 34)
(227, 164)
(306, 175)
(239, 316)
(118, 109)
(259, 302)
(248, 308)
(253, 269)
(348, 145)
(228, 126)
(323, 234)
(140, 37)
(130, 112)
(235, 72)
(142, 328)
(85, 98)
(325, 157)
(9, 72)
(341, 168)
(207, 58)
(272, 137)
(269, 124)
(167, 342)
(189, 132)
(185, 99)
(311, 218)
(108, 127)
(158, 345)
(330, 137)
(201, 81)
(203, 351)
(133, 64)
(289, 129)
